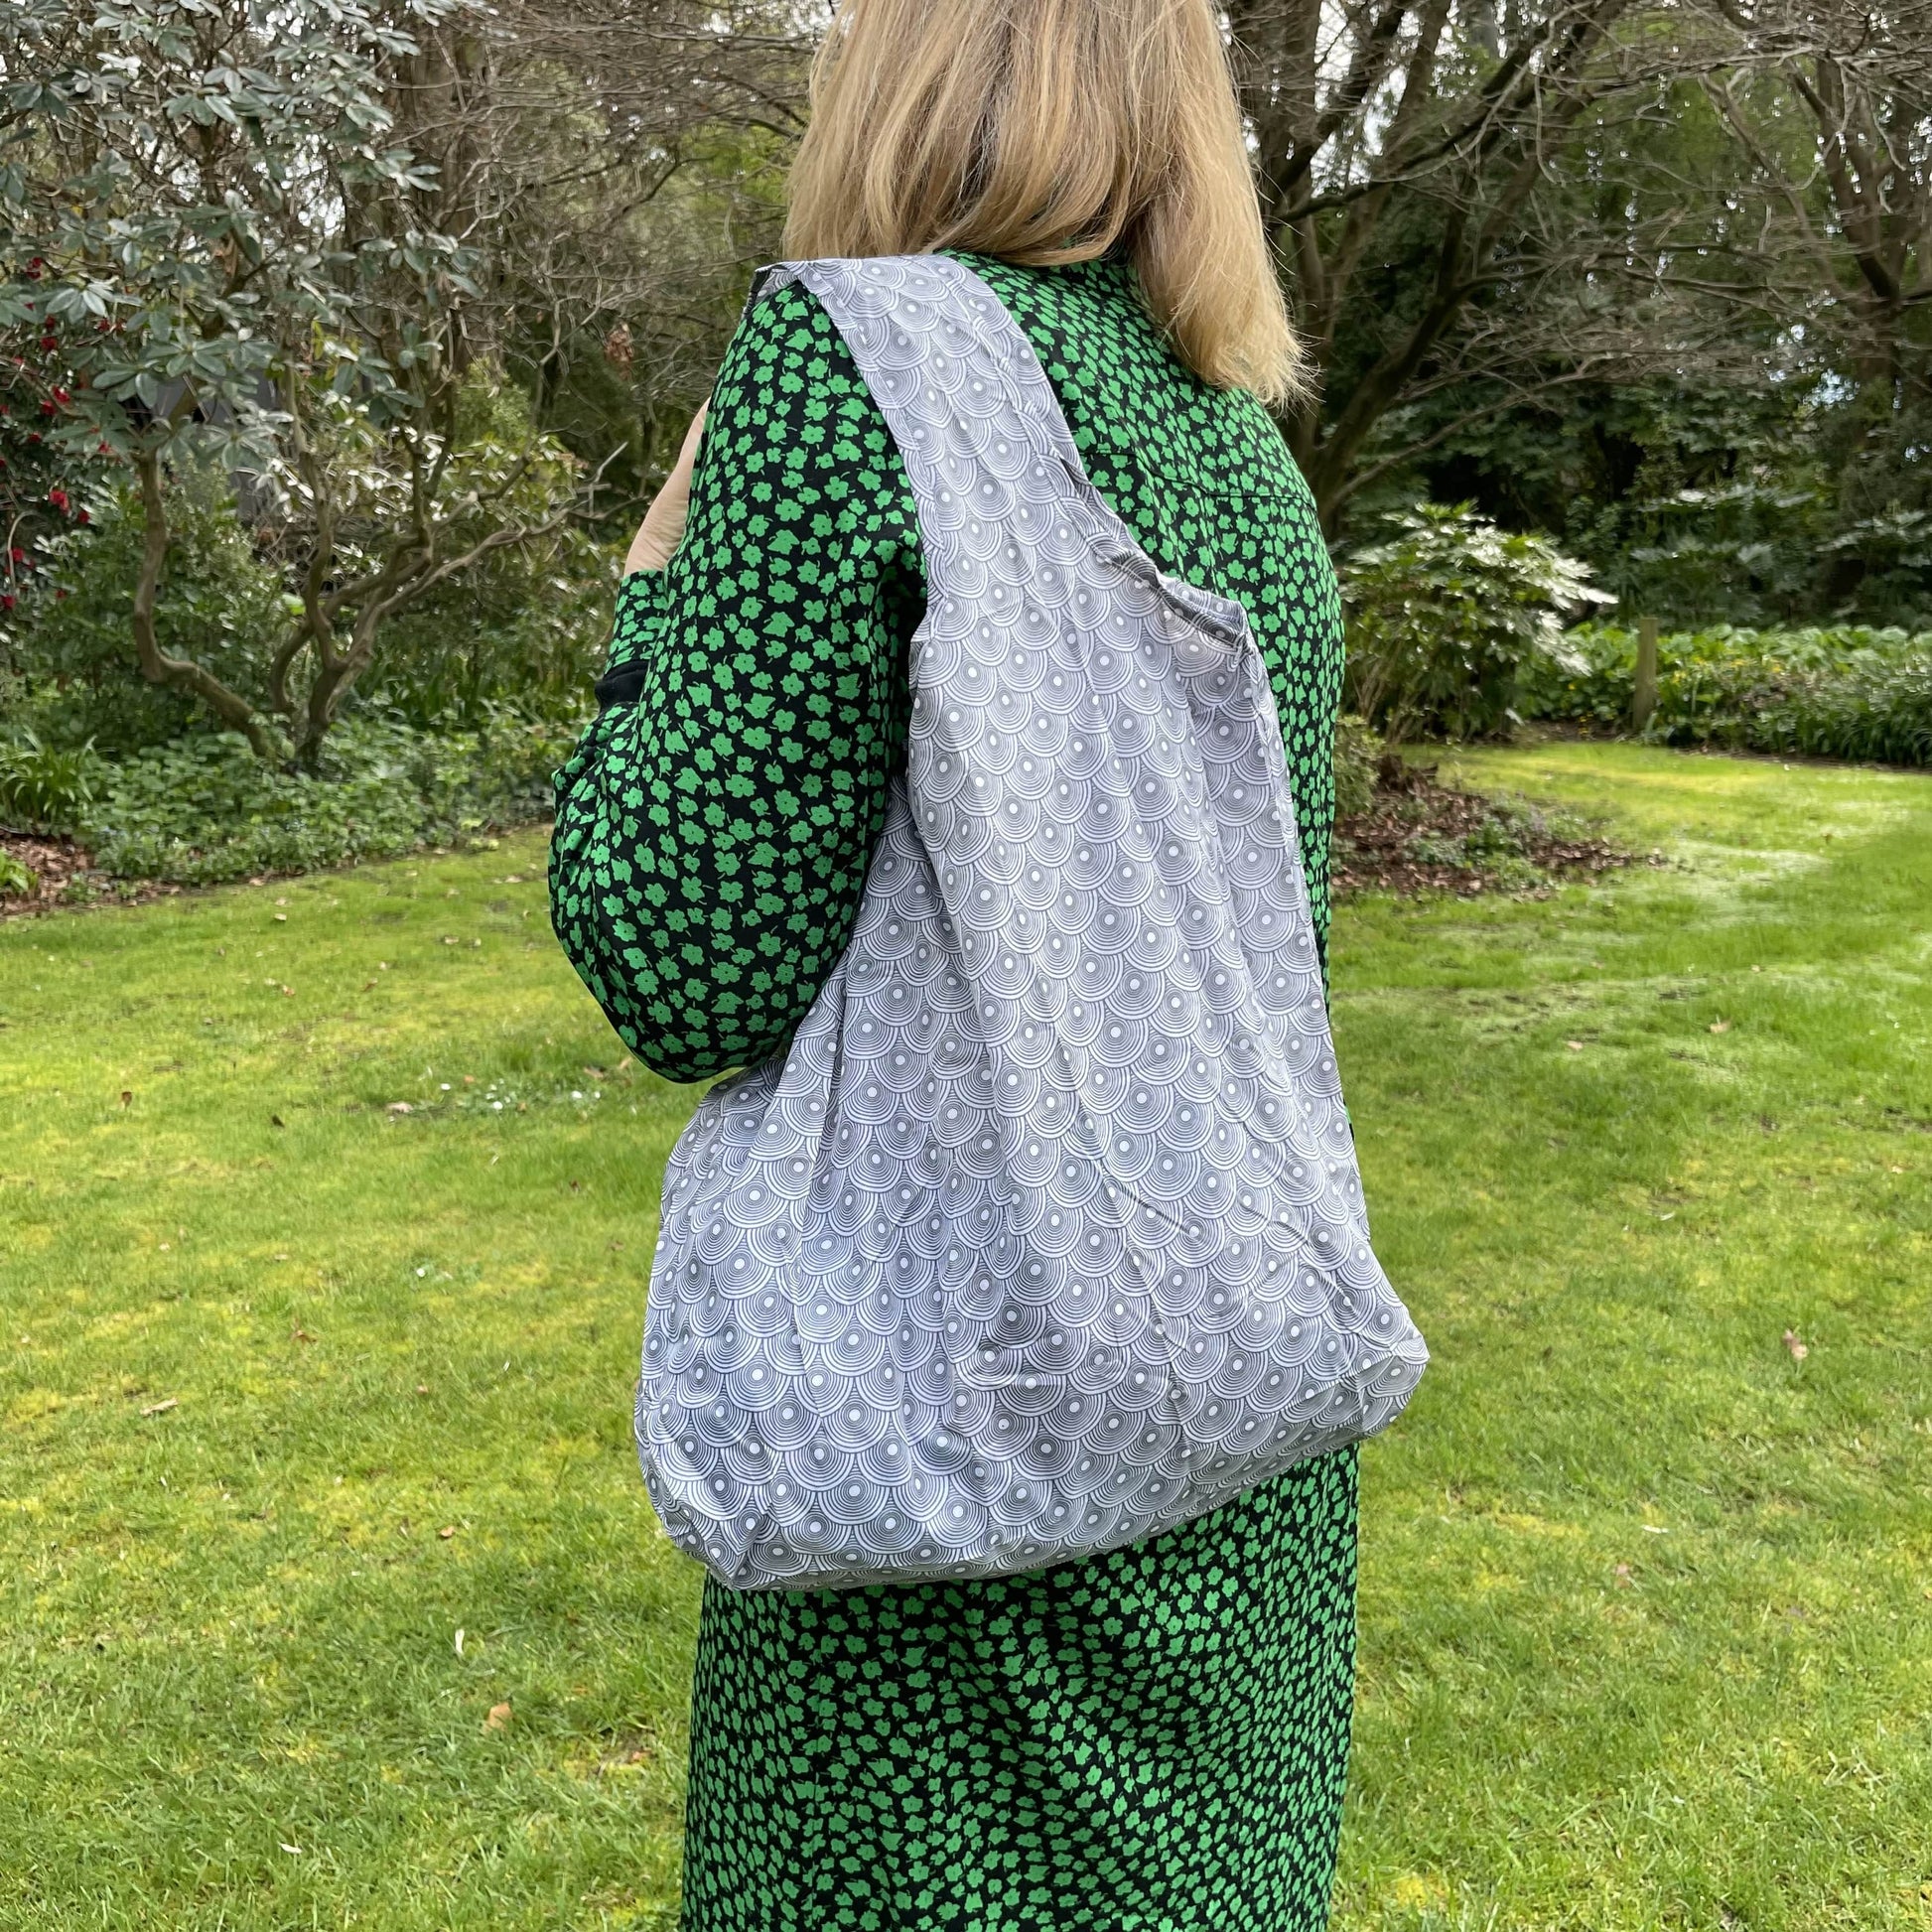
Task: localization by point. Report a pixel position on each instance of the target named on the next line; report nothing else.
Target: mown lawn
(296, 1388)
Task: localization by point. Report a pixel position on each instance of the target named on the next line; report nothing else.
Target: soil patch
(1419, 836)
(64, 874)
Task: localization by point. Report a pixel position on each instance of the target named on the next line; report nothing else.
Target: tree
(1423, 175)
(207, 204)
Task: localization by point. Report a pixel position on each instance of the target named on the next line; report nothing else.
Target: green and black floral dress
(1150, 1741)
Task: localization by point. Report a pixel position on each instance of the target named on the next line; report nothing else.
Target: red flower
(58, 497)
(61, 395)
(80, 516)
(17, 554)
(6, 602)
(49, 342)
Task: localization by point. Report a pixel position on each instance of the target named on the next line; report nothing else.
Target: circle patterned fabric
(1148, 1741)
(1048, 1232)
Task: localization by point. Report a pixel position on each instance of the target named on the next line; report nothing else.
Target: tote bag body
(1047, 1233)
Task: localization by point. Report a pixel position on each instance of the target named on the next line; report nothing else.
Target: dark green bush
(219, 605)
(206, 809)
(1845, 692)
(526, 628)
(1359, 751)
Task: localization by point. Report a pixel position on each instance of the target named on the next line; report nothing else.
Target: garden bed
(1420, 836)
(63, 874)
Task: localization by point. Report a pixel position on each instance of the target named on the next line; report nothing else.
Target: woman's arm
(663, 525)
(715, 823)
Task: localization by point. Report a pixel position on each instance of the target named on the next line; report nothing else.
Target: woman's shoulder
(1123, 387)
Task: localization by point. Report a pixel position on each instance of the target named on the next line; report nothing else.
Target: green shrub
(526, 627)
(219, 605)
(43, 788)
(1446, 617)
(1359, 751)
(1847, 692)
(206, 809)
(16, 879)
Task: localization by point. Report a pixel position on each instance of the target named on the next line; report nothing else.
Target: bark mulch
(67, 876)
(1518, 851)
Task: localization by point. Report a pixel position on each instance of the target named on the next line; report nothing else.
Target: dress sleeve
(715, 822)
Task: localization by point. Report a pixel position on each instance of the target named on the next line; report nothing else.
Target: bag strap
(916, 325)
(924, 332)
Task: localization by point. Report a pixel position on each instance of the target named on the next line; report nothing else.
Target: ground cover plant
(328, 1594)
(204, 809)
(1843, 692)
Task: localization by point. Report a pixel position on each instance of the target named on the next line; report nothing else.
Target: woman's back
(714, 829)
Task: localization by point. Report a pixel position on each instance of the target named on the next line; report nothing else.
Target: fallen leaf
(1721, 1025)
(1797, 1349)
(276, 1120)
(367, 984)
(422, 1388)
(447, 1530)
(1575, 1046)
(288, 992)
(281, 919)
(458, 1641)
(499, 1716)
(301, 1333)
(162, 1408)
(294, 1851)
(127, 1097)
(400, 1107)
(1622, 1575)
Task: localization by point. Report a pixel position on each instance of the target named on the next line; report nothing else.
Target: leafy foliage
(1358, 749)
(1845, 692)
(1445, 616)
(219, 604)
(207, 809)
(45, 788)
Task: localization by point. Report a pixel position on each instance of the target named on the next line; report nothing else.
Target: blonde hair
(1050, 131)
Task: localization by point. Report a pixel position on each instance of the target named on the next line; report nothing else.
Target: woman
(1156, 1738)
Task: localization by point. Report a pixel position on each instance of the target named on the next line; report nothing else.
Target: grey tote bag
(1046, 1233)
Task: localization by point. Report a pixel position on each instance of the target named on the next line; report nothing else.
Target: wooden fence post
(1643, 694)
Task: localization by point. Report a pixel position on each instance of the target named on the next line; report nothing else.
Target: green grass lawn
(297, 1388)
